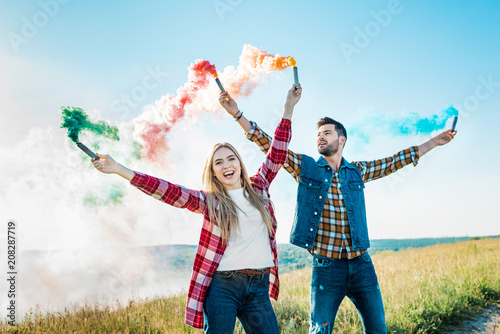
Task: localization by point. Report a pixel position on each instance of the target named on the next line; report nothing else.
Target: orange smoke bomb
(293, 63)
(296, 76)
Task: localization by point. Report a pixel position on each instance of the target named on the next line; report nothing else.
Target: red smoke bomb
(220, 85)
(87, 151)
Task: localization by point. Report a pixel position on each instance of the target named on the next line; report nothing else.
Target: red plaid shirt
(211, 247)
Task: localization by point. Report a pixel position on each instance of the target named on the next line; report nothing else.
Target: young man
(330, 219)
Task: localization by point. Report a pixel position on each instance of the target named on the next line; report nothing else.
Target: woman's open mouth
(228, 174)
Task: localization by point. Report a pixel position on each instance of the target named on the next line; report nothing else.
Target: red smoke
(172, 108)
(153, 125)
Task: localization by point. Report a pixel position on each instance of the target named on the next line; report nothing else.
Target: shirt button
(311, 230)
(320, 197)
(326, 180)
(315, 213)
(307, 245)
(310, 184)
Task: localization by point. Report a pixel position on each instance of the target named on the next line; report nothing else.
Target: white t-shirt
(251, 248)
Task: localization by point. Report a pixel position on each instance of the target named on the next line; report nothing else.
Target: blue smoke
(409, 124)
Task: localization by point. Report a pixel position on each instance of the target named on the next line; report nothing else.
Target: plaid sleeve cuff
(255, 131)
(252, 133)
(284, 132)
(138, 180)
(285, 123)
(414, 155)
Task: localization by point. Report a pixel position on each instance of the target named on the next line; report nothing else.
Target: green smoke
(76, 120)
(112, 194)
(136, 153)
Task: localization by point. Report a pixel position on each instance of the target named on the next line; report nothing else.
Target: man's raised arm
(376, 169)
(257, 135)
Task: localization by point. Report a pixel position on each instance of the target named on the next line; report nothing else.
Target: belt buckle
(254, 272)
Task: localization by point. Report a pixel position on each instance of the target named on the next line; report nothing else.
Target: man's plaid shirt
(333, 237)
(211, 246)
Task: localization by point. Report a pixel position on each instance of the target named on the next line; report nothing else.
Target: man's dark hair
(338, 126)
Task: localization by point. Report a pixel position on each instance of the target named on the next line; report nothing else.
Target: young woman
(236, 268)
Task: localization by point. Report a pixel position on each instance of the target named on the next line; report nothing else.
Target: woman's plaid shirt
(333, 237)
(211, 247)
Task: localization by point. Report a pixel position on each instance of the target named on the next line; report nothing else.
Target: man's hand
(444, 137)
(228, 103)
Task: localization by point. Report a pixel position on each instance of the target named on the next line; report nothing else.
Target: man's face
(328, 140)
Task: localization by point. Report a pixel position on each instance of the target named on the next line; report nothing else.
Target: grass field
(425, 290)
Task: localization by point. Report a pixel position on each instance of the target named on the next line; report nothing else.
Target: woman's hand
(228, 103)
(105, 164)
(293, 96)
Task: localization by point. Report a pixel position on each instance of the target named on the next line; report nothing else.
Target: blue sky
(411, 57)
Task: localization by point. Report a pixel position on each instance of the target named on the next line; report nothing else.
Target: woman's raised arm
(164, 191)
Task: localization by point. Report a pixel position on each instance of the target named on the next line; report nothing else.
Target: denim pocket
(357, 194)
(321, 263)
(308, 189)
(366, 257)
(263, 281)
(224, 274)
(356, 186)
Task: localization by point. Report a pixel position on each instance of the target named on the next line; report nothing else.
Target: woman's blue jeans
(332, 280)
(232, 295)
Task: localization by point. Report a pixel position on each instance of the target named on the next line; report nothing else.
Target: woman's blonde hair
(226, 216)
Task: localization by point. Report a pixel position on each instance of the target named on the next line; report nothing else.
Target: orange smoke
(253, 63)
(262, 60)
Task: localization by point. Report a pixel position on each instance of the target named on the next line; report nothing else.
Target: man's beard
(329, 150)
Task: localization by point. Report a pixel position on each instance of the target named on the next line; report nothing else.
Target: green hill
(290, 257)
(425, 290)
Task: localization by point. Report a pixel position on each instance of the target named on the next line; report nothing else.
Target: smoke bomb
(296, 76)
(455, 119)
(220, 85)
(87, 150)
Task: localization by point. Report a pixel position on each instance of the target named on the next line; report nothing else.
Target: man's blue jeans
(334, 279)
(234, 295)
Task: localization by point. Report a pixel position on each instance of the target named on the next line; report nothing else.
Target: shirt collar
(323, 163)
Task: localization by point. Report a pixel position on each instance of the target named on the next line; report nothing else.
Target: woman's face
(227, 168)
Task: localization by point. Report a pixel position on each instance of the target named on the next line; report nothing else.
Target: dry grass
(425, 290)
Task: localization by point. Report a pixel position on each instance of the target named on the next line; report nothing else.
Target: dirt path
(486, 322)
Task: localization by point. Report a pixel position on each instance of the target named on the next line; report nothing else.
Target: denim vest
(315, 180)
